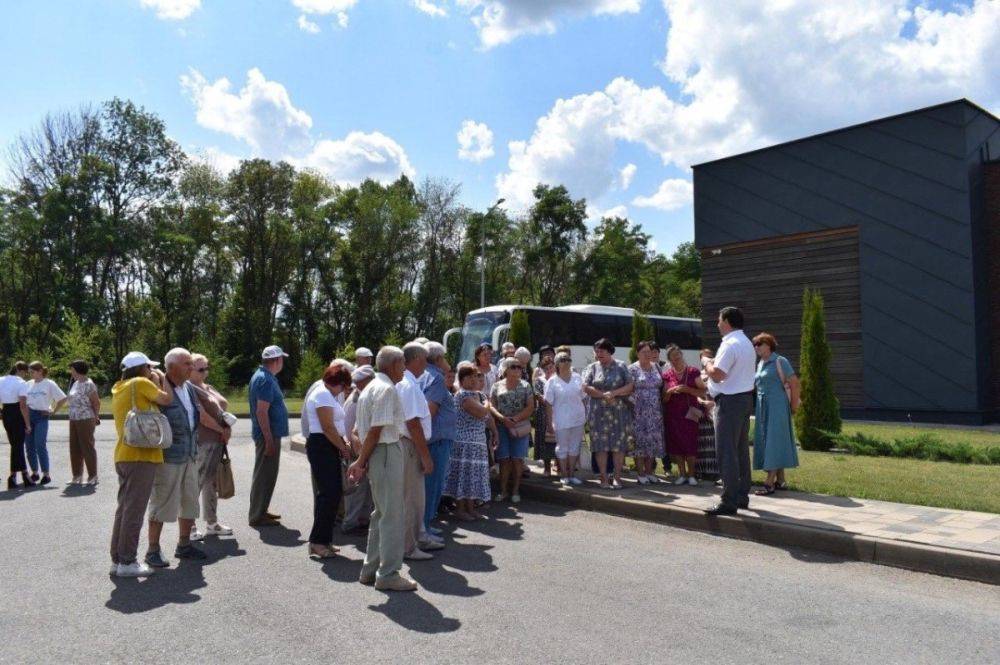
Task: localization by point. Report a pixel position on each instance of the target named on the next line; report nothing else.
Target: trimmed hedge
(920, 446)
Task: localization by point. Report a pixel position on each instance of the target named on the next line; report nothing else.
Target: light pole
(482, 253)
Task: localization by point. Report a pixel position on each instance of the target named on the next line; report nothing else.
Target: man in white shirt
(380, 424)
(733, 371)
(416, 454)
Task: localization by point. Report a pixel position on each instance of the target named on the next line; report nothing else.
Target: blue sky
(362, 88)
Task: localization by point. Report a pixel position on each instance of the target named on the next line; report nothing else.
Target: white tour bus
(579, 326)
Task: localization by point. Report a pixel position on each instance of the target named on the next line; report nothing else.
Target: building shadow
(412, 612)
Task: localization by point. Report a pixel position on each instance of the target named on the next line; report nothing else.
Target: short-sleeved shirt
(42, 394)
(80, 406)
(324, 398)
(738, 360)
(380, 406)
(121, 403)
(435, 390)
(12, 389)
(566, 398)
(414, 402)
(510, 402)
(264, 387)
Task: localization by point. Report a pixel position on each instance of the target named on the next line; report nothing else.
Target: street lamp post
(482, 253)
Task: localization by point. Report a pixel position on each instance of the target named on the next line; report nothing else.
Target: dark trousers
(265, 475)
(324, 460)
(13, 424)
(732, 445)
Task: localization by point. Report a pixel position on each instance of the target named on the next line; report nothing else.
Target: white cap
(135, 359)
(362, 373)
(363, 352)
(272, 352)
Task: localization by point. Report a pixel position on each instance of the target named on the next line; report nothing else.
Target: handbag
(225, 487)
(147, 429)
(521, 429)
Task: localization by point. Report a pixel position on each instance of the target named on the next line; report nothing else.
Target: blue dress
(773, 435)
(468, 474)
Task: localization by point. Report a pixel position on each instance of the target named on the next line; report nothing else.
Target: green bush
(819, 412)
(642, 331)
(520, 330)
(919, 446)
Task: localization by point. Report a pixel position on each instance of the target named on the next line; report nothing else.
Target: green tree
(311, 368)
(819, 411)
(642, 330)
(520, 330)
(553, 229)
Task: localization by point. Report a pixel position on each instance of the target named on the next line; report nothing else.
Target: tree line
(113, 239)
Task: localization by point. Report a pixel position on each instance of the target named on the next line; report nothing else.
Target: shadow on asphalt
(280, 536)
(170, 586)
(414, 613)
(71, 491)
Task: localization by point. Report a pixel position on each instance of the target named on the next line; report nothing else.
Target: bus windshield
(479, 328)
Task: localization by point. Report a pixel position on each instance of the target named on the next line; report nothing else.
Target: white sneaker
(77, 480)
(653, 479)
(430, 545)
(575, 481)
(429, 537)
(615, 485)
(196, 535)
(218, 529)
(680, 480)
(643, 480)
(418, 555)
(692, 481)
(565, 482)
(134, 569)
(515, 498)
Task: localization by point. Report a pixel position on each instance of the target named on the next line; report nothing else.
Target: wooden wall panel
(765, 278)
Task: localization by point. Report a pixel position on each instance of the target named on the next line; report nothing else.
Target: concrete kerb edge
(974, 566)
(961, 564)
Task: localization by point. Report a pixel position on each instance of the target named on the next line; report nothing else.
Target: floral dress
(468, 474)
(648, 427)
(545, 437)
(610, 424)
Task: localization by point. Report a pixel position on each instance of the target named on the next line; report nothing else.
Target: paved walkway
(958, 529)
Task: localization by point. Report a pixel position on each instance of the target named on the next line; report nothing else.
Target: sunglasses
(202, 370)
(760, 343)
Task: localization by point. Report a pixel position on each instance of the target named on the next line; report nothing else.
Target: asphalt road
(533, 585)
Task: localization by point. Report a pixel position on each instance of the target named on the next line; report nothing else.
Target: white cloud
(595, 215)
(475, 141)
(221, 161)
(359, 156)
(307, 26)
(429, 8)
(502, 21)
(672, 194)
(750, 74)
(172, 10)
(339, 8)
(626, 175)
(261, 113)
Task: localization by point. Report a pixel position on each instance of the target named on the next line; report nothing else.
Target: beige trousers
(413, 496)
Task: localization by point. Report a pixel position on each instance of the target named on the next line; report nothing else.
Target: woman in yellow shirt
(136, 467)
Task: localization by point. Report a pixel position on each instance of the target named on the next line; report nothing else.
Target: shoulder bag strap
(781, 373)
(134, 408)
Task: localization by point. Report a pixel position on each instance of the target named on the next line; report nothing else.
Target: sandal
(768, 490)
(321, 552)
(781, 486)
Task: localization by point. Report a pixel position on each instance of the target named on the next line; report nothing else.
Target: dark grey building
(897, 222)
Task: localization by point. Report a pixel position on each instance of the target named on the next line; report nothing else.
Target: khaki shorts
(175, 492)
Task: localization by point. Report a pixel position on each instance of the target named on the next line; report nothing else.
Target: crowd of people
(392, 437)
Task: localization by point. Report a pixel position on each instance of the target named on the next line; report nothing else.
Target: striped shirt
(379, 405)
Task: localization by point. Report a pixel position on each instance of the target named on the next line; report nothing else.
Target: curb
(946, 562)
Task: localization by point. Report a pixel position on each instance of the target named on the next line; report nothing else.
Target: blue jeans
(434, 483)
(36, 443)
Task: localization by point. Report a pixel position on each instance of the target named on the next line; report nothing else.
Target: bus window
(669, 331)
(478, 329)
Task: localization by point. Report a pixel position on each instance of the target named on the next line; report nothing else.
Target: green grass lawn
(237, 404)
(940, 484)
(949, 435)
